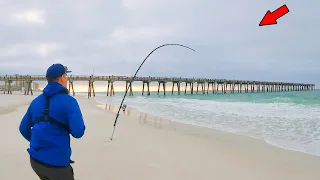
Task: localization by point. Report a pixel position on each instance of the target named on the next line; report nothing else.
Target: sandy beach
(145, 147)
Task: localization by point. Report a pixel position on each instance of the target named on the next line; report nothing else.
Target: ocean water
(289, 120)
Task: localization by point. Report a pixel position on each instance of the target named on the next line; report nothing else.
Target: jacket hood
(54, 88)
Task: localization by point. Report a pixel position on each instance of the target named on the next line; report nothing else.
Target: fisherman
(47, 125)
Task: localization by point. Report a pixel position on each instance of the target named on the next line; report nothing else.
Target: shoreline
(150, 117)
(147, 147)
(176, 126)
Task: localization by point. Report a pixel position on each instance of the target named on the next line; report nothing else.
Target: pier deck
(16, 82)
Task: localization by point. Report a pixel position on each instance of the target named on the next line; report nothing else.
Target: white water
(290, 126)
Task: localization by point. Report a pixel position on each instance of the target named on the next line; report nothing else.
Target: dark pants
(47, 172)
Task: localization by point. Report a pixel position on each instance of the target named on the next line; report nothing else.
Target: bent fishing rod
(117, 115)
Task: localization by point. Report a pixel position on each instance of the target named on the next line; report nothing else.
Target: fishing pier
(200, 85)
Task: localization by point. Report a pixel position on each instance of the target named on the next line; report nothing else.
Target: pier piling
(148, 87)
(163, 87)
(110, 90)
(71, 85)
(28, 89)
(91, 87)
(130, 90)
(7, 86)
(178, 83)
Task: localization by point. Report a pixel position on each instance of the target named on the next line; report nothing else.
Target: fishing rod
(117, 115)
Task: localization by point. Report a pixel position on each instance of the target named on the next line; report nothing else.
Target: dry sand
(149, 148)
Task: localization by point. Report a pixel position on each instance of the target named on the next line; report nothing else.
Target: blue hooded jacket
(49, 143)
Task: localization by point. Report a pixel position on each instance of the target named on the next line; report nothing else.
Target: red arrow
(271, 18)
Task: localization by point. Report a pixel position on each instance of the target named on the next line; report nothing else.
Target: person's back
(49, 142)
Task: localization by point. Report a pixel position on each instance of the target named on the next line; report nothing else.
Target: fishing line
(117, 115)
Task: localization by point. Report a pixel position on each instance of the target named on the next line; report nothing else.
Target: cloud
(113, 37)
(40, 50)
(124, 35)
(46, 49)
(29, 16)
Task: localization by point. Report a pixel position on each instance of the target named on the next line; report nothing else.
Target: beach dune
(144, 151)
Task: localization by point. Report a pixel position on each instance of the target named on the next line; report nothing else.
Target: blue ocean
(289, 120)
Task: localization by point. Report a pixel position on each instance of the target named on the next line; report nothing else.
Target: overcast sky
(113, 38)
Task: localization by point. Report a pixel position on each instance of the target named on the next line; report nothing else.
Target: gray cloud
(113, 37)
